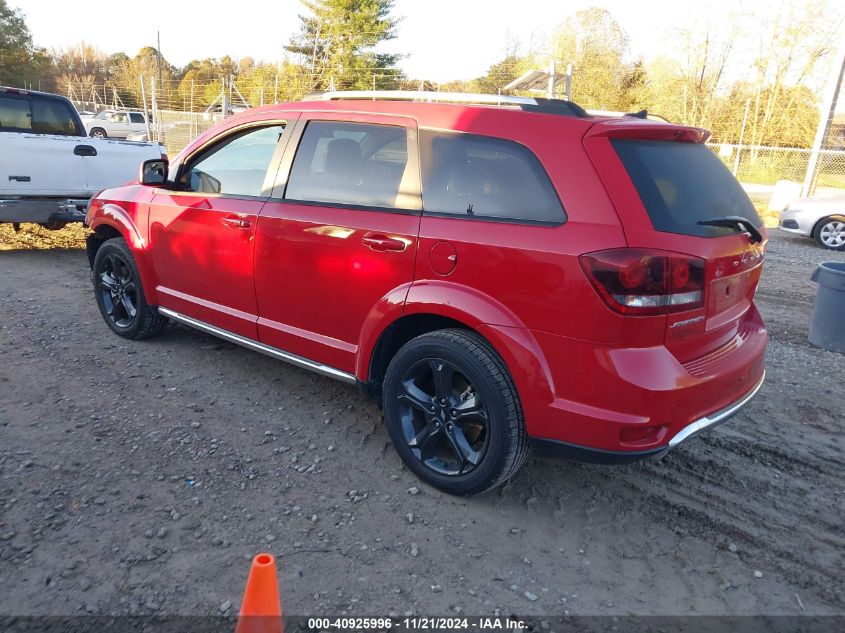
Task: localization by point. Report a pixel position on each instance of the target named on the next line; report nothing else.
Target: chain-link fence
(176, 130)
(773, 175)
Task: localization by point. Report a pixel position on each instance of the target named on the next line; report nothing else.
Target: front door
(338, 237)
(202, 233)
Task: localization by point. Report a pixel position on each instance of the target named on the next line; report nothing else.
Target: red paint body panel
(306, 278)
(317, 252)
(202, 262)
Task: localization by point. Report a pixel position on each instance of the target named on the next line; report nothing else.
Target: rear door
(339, 235)
(662, 190)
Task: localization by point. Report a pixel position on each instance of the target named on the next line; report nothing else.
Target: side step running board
(293, 359)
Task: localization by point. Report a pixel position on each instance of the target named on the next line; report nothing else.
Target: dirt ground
(140, 478)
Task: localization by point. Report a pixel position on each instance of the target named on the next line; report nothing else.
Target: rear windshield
(683, 183)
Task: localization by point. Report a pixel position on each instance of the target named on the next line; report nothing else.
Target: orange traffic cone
(261, 609)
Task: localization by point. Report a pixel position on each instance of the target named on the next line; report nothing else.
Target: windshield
(683, 183)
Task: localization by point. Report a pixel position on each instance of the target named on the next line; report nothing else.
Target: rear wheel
(119, 293)
(98, 132)
(830, 233)
(453, 413)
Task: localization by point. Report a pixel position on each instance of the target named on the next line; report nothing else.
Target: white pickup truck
(49, 169)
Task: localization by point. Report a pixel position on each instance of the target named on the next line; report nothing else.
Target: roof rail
(530, 104)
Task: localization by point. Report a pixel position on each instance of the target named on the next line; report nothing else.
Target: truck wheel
(453, 412)
(120, 296)
(830, 233)
(98, 132)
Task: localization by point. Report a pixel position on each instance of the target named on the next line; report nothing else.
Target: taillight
(638, 281)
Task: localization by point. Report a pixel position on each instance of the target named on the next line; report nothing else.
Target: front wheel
(830, 233)
(453, 413)
(119, 293)
(98, 132)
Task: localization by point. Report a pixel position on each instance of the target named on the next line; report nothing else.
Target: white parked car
(819, 217)
(48, 168)
(115, 124)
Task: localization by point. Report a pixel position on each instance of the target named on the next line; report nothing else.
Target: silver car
(819, 217)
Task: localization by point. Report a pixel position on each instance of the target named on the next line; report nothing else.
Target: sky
(444, 39)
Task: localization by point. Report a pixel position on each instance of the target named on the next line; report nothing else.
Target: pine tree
(337, 39)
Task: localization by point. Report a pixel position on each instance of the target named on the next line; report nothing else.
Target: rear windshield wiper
(736, 222)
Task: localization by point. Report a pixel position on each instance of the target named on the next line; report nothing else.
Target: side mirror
(153, 172)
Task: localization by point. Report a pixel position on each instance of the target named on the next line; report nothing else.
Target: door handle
(236, 223)
(379, 242)
(85, 150)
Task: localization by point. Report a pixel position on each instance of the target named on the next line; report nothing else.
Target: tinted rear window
(682, 183)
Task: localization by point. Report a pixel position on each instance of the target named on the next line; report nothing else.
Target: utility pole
(314, 52)
(825, 119)
(741, 135)
(158, 57)
(568, 90)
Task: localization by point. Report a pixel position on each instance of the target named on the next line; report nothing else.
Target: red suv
(492, 274)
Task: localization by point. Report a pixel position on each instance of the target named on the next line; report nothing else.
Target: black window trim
(487, 218)
(279, 190)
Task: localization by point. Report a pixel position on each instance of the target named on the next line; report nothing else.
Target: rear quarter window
(474, 176)
(681, 184)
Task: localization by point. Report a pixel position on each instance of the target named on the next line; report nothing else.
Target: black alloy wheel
(444, 418)
(453, 413)
(118, 291)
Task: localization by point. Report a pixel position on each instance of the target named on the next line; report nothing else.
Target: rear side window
(136, 117)
(356, 164)
(51, 116)
(15, 114)
(683, 183)
(480, 176)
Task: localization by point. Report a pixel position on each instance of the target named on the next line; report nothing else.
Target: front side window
(474, 176)
(236, 166)
(120, 117)
(356, 164)
(15, 114)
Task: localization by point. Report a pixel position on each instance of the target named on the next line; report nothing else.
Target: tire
(829, 233)
(477, 439)
(120, 296)
(98, 132)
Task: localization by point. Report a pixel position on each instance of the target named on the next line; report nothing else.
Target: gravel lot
(141, 478)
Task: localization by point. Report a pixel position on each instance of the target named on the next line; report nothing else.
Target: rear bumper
(623, 404)
(555, 448)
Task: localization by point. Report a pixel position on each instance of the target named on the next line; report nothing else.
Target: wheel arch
(113, 221)
(439, 305)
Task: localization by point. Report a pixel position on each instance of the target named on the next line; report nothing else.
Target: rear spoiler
(629, 128)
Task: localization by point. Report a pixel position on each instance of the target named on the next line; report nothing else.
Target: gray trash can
(827, 329)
